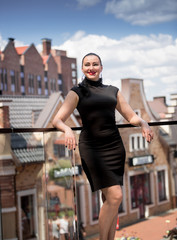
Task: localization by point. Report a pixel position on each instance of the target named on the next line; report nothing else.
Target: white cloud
(170, 80)
(87, 3)
(152, 58)
(2, 43)
(142, 12)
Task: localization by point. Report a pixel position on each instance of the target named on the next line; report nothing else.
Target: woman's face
(92, 67)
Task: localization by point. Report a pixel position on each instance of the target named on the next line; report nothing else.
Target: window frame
(136, 139)
(92, 220)
(22, 194)
(165, 169)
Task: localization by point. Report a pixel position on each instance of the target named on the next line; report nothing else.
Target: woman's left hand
(147, 131)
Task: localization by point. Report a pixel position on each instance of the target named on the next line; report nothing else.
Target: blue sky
(135, 38)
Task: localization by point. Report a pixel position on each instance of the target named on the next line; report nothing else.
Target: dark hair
(92, 54)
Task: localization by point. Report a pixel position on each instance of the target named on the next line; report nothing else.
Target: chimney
(46, 43)
(11, 40)
(4, 114)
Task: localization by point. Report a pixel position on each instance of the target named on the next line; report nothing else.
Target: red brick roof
(21, 50)
(45, 58)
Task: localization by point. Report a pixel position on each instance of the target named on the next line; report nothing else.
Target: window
(74, 81)
(39, 85)
(5, 80)
(73, 65)
(137, 142)
(60, 150)
(60, 82)
(27, 214)
(12, 75)
(30, 83)
(95, 205)
(46, 82)
(53, 85)
(140, 190)
(22, 82)
(46, 85)
(73, 74)
(161, 186)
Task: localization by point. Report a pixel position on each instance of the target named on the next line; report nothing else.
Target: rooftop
(22, 110)
(21, 50)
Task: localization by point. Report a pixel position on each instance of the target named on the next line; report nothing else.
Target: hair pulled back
(92, 54)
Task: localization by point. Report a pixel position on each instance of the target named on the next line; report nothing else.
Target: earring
(83, 77)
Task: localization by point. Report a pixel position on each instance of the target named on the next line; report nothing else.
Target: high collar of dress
(94, 83)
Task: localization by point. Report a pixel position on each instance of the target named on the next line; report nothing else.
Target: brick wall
(33, 64)
(11, 62)
(134, 93)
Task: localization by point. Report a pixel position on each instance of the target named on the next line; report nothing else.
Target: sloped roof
(49, 109)
(45, 58)
(30, 156)
(158, 106)
(126, 85)
(21, 109)
(24, 145)
(21, 50)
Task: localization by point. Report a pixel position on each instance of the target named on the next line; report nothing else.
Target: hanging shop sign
(141, 160)
(66, 172)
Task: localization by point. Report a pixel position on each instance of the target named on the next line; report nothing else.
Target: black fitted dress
(101, 148)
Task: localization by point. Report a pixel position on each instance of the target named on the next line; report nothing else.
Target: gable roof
(21, 109)
(21, 50)
(49, 110)
(126, 90)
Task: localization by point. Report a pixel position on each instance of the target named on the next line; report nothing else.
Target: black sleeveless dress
(101, 148)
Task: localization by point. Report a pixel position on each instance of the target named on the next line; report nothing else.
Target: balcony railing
(41, 183)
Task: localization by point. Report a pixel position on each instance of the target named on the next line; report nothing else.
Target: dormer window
(137, 142)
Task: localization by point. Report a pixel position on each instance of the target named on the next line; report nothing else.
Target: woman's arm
(126, 111)
(64, 112)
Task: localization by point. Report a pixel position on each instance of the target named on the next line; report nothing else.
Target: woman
(100, 145)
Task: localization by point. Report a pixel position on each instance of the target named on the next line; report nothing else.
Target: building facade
(24, 71)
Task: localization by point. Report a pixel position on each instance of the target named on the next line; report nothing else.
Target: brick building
(147, 186)
(28, 193)
(24, 71)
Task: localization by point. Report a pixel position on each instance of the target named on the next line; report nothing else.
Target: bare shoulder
(120, 97)
(72, 96)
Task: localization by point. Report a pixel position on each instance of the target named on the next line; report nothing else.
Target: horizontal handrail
(18, 130)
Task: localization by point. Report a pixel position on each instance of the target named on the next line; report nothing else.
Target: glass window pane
(95, 206)
(27, 210)
(161, 185)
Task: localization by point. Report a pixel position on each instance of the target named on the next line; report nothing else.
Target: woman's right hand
(70, 140)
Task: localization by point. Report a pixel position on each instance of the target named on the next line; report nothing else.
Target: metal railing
(18, 130)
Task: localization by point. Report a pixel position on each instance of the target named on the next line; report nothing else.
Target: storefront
(148, 186)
